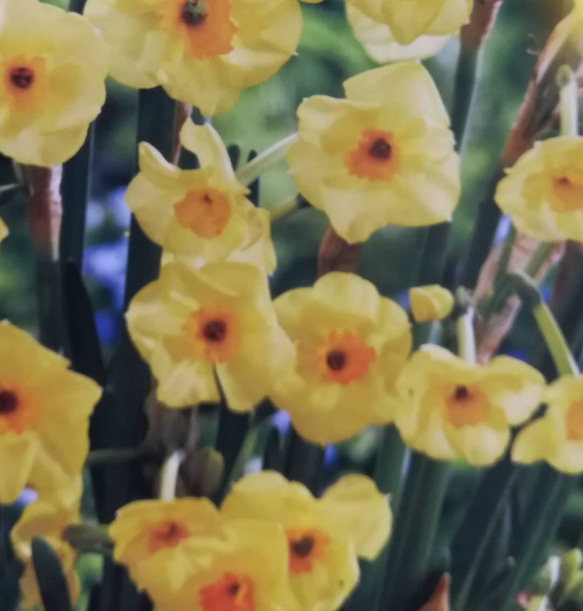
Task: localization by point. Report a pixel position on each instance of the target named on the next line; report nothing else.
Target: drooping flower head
(191, 324)
(150, 536)
(44, 416)
(389, 33)
(324, 537)
(429, 303)
(48, 518)
(384, 155)
(450, 409)
(557, 437)
(204, 213)
(203, 52)
(52, 81)
(351, 345)
(244, 570)
(543, 192)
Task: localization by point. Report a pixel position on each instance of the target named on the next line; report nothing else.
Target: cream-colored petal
(346, 502)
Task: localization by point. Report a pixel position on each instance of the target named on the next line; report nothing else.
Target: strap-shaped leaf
(50, 577)
(82, 338)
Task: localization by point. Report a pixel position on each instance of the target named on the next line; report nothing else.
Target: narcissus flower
(543, 192)
(192, 323)
(203, 53)
(48, 518)
(450, 409)
(375, 35)
(52, 81)
(44, 416)
(557, 437)
(384, 155)
(351, 345)
(150, 536)
(430, 303)
(324, 536)
(3, 230)
(202, 213)
(245, 571)
(408, 21)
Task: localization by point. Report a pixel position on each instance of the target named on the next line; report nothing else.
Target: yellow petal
(18, 451)
(3, 230)
(347, 501)
(430, 303)
(479, 445)
(538, 440)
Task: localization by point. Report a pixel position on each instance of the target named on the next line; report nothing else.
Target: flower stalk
(253, 169)
(169, 475)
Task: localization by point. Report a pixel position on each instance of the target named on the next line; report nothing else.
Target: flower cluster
(270, 546)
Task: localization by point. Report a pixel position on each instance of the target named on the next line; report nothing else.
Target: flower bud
(429, 303)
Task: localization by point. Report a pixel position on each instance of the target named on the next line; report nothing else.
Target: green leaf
(82, 339)
(50, 577)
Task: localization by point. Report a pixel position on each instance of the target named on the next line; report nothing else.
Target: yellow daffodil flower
(375, 35)
(543, 192)
(48, 518)
(203, 214)
(52, 85)
(350, 347)
(245, 571)
(203, 53)
(44, 415)
(557, 437)
(384, 155)
(324, 536)
(430, 303)
(450, 409)
(579, 8)
(192, 323)
(408, 21)
(149, 538)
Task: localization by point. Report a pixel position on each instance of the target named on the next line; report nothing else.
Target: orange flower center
(25, 82)
(575, 422)
(231, 592)
(567, 191)
(167, 534)
(342, 357)
(213, 334)
(205, 26)
(305, 547)
(375, 157)
(205, 212)
(466, 406)
(18, 411)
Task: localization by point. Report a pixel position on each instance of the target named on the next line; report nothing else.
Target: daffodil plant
(116, 459)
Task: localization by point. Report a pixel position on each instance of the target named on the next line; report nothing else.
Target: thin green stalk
(253, 169)
(169, 475)
(568, 101)
(75, 187)
(305, 462)
(505, 255)
(286, 208)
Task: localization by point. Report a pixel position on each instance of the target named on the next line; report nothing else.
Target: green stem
(112, 456)
(465, 84)
(305, 462)
(287, 208)
(252, 170)
(75, 188)
(87, 536)
(505, 255)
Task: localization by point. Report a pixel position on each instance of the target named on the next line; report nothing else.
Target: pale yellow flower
(201, 214)
(44, 416)
(202, 53)
(543, 192)
(48, 518)
(52, 81)
(384, 155)
(379, 42)
(557, 437)
(324, 536)
(430, 303)
(451, 409)
(351, 345)
(193, 323)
